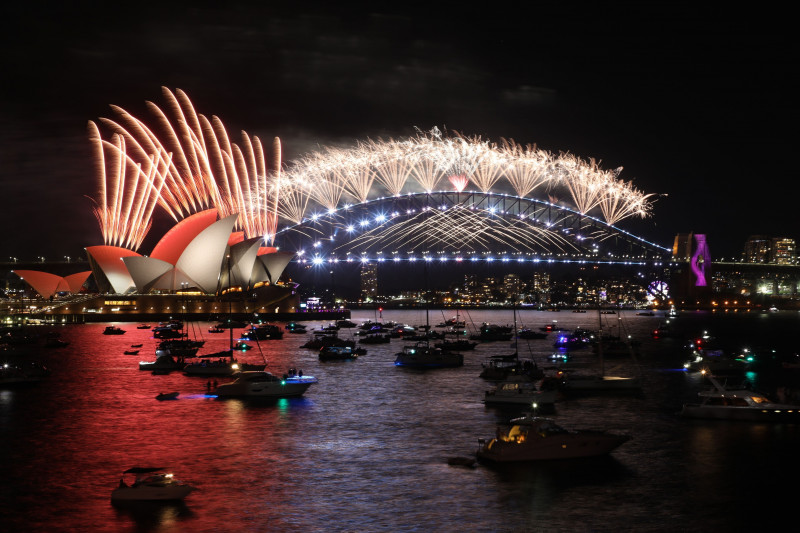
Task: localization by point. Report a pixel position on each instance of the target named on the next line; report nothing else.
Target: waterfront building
(757, 249)
(369, 281)
(784, 251)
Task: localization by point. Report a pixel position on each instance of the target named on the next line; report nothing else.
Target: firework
(200, 166)
(185, 162)
(128, 194)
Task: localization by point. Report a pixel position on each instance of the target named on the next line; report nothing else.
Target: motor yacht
(519, 390)
(113, 330)
(263, 332)
(262, 384)
(150, 484)
(220, 364)
(533, 438)
(338, 353)
(163, 363)
(722, 403)
(184, 347)
(423, 355)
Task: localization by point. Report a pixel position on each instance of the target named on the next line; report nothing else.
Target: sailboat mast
(230, 307)
(600, 337)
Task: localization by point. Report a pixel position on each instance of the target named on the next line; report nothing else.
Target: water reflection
(153, 516)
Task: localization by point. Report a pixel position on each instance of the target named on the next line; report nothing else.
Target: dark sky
(695, 103)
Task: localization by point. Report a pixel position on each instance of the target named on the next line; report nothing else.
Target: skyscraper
(369, 281)
(757, 249)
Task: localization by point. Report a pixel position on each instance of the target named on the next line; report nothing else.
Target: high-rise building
(369, 281)
(757, 249)
(512, 285)
(784, 251)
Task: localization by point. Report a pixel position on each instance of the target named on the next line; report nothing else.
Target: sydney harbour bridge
(462, 227)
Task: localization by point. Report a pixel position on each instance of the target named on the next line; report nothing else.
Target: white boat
(220, 364)
(722, 403)
(533, 438)
(261, 384)
(519, 391)
(150, 484)
(423, 355)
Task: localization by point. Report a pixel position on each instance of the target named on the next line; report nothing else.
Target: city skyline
(660, 94)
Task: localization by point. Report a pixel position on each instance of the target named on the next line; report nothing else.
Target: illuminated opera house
(201, 266)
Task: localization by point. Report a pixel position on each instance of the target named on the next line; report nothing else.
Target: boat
(529, 334)
(578, 383)
(150, 484)
(131, 352)
(458, 344)
(163, 364)
(507, 366)
(167, 396)
(55, 342)
(422, 355)
(219, 364)
(216, 329)
(338, 353)
(492, 333)
(500, 367)
(167, 332)
(263, 332)
(113, 330)
(375, 338)
(534, 438)
(262, 384)
(241, 346)
(184, 347)
(136, 345)
(22, 373)
(707, 355)
(519, 391)
(722, 403)
(295, 327)
(315, 343)
(345, 324)
(143, 326)
(469, 462)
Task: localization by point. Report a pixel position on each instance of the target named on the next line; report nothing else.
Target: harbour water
(366, 448)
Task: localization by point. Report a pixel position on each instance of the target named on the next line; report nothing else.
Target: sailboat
(602, 382)
(422, 355)
(502, 367)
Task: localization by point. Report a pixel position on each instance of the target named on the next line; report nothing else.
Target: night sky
(695, 103)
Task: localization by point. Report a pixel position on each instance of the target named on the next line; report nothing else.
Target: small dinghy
(167, 396)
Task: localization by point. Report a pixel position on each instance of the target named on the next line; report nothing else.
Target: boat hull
(749, 414)
(522, 398)
(600, 384)
(167, 493)
(551, 447)
(260, 384)
(430, 362)
(267, 391)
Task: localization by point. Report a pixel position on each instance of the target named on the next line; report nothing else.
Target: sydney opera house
(200, 267)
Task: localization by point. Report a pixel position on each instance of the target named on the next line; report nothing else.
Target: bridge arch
(462, 226)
